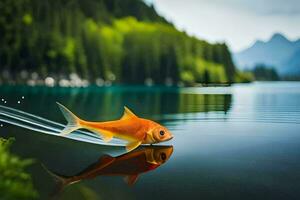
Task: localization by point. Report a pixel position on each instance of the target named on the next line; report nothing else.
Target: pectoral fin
(106, 135)
(130, 180)
(132, 145)
(150, 156)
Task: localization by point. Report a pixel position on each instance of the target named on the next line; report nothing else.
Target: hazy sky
(237, 22)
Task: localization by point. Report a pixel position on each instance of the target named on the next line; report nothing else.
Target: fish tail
(73, 120)
(61, 181)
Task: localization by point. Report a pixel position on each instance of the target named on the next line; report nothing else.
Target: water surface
(239, 142)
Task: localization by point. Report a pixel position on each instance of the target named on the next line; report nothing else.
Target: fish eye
(163, 156)
(161, 132)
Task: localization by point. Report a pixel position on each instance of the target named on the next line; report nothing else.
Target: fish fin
(73, 120)
(128, 114)
(132, 145)
(131, 179)
(61, 181)
(150, 156)
(106, 135)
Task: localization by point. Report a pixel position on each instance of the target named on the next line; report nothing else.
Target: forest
(115, 41)
(262, 72)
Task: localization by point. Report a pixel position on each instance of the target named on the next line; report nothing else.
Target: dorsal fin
(128, 113)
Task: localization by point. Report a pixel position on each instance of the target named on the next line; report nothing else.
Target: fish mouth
(169, 139)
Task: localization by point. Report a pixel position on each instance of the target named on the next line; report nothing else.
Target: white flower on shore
(31, 82)
(64, 83)
(148, 81)
(49, 81)
(85, 83)
(99, 82)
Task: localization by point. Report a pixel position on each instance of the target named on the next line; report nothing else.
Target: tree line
(262, 72)
(123, 41)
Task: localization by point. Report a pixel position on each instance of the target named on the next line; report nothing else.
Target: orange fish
(129, 165)
(130, 127)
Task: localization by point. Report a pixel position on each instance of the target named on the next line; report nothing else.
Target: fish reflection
(129, 165)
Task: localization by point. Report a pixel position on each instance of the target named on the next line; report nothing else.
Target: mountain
(293, 63)
(279, 52)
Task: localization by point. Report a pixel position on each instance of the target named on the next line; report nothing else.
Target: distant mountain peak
(278, 51)
(278, 37)
(258, 42)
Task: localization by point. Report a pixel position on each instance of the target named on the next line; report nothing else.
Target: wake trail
(39, 124)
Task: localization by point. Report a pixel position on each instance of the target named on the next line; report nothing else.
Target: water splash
(38, 124)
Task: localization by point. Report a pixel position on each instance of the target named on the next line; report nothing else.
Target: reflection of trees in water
(107, 103)
(191, 103)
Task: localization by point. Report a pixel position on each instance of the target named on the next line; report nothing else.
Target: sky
(239, 23)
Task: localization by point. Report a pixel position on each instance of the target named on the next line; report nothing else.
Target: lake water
(239, 142)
